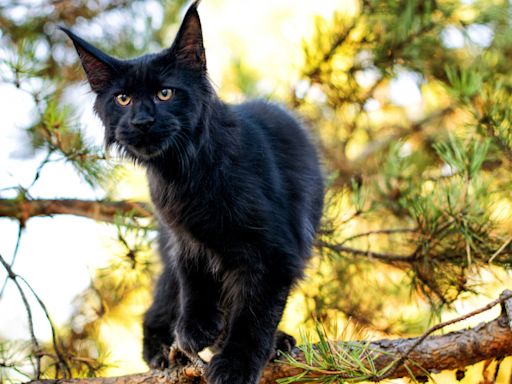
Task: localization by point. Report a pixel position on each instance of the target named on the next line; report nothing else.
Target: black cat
(238, 193)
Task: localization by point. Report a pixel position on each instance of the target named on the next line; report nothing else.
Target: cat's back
(281, 130)
(269, 128)
(277, 148)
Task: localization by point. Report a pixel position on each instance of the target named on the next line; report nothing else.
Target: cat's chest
(170, 199)
(187, 213)
(166, 202)
(178, 208)
(174, 212)
(208, 217)
(190, 249)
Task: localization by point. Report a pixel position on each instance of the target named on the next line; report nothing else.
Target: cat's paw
(283, 343)
(230, 370)
(160, 360)
(156, 348)
(194, 335)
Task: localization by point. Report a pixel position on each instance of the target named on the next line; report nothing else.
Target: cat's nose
(143, 121)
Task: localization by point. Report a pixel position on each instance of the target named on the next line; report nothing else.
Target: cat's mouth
(150, 151)
(145, 146)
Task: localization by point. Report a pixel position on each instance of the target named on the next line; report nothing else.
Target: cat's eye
(164, 94)
(123, 100)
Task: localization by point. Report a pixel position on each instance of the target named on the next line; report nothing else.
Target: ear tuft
(98, 66)
(188, 48)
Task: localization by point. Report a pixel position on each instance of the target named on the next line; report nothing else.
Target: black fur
(238, 193)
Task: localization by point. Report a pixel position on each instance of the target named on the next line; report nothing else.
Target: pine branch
(390, 258)
(22, 210)
(417, 356)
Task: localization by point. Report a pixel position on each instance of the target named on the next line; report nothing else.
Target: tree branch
(22, 210)
(393, 259)
(420, 355)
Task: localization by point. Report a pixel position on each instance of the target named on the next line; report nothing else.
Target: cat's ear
(187, 49)
(99, 67)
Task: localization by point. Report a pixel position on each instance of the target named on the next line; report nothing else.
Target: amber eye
(123, 100)
(164, 94)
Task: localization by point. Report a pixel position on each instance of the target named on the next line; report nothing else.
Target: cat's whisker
(181, 155)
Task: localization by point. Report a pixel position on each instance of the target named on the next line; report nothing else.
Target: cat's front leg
(249, 342)
(201, 321)
(160, 320)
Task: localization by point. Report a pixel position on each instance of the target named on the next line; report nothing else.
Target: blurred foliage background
(409, 102)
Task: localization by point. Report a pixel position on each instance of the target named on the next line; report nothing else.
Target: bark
(22, 210)
(454, 350)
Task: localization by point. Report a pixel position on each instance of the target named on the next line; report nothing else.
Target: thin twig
(35, 344)
(503, 298)
(58, 352)
(389, 257)
(352, 217)
(40, 168)
(313, 72)
(497, 369)
(380, 232)
(507, 242)
(14, 255)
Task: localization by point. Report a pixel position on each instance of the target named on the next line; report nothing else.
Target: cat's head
(151, 103)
